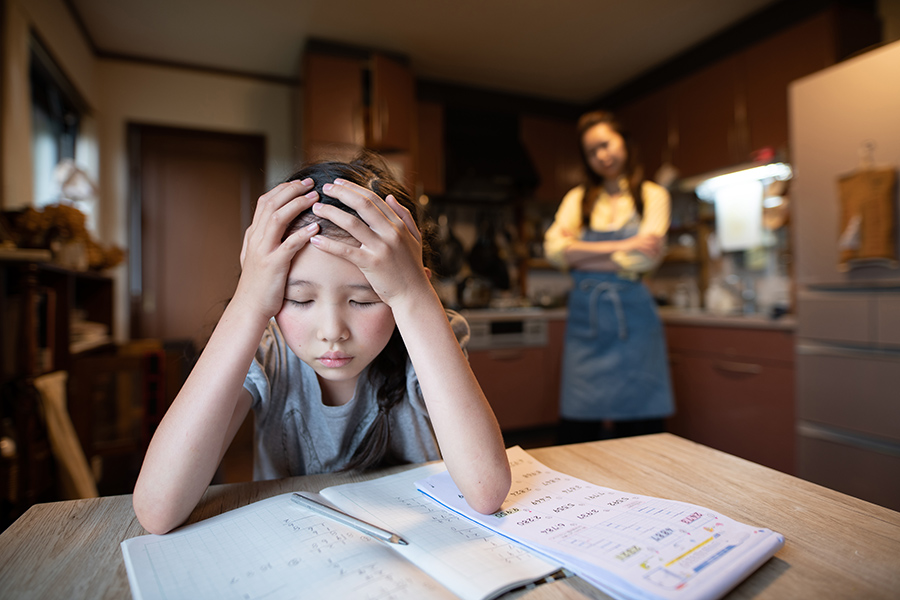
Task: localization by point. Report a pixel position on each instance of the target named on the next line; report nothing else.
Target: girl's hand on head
(390, 250)
(265, 259)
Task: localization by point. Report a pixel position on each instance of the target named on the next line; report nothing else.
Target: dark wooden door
(193, 196)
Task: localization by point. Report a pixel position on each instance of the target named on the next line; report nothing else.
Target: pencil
(317, 506)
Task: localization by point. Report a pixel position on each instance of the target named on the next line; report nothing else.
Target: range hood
(485, 158)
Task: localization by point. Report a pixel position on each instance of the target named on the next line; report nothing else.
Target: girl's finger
(335, 248)
(363, 200)
(281, 194)
(355, 226)
(283, 216)
(405, 216)
(298, 239)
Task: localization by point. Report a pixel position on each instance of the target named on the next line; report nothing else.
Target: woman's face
(605, 151)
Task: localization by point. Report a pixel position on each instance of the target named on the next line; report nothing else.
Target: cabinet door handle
(738, 367)
(509, 354)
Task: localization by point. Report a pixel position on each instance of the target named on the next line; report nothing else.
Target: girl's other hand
(265, 259)
(390, 244)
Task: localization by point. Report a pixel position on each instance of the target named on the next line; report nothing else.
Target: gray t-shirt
(296, 434)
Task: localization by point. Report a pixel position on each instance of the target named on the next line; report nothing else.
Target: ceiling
(564, 50)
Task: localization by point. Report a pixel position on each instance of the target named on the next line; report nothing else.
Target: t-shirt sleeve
(258, 379)
(460, 328)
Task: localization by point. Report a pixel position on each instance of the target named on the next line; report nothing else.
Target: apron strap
(611, 289)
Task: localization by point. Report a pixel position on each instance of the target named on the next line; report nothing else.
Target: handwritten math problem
(269, 552)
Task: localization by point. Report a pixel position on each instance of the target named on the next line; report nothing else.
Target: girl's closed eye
(293, 302)
(365, 303)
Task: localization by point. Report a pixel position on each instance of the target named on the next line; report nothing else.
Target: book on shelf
(551, 525)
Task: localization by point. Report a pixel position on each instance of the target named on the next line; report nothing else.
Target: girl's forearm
(186, 448)
(466, 428)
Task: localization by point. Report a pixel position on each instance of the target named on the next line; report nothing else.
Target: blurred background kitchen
(137, 135)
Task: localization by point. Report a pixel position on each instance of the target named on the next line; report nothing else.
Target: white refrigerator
(845, 151)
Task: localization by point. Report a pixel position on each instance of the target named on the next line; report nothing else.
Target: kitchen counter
(669, 316)
(524, 313)
(678, 316)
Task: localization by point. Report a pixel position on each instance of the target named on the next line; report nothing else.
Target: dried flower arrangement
(59, 228)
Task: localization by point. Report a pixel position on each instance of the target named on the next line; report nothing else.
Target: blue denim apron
(615, 364)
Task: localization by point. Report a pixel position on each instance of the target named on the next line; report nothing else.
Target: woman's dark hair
(387, 372)
(633, 171)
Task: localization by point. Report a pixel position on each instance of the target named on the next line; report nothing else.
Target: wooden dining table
(836, 546)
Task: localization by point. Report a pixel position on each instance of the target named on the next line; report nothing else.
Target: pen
(305, 500)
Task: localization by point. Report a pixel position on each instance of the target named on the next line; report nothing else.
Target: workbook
(550, 526)
(628, 545)
(276, 549)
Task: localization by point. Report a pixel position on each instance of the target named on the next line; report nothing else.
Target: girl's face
(333, 320)
(605, 150)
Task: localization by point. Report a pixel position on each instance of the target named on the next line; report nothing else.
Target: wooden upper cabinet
(430, 147)
(707, 118)
(652, 126)
(333, 102)
(552, 145)
(356, 100)
(770, 66)
(392, 107)
(720, 115)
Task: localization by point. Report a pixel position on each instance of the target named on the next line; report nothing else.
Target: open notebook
(275, 549)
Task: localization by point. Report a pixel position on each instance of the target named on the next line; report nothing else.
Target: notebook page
(630, 546)
(466, 557)
(270, 549)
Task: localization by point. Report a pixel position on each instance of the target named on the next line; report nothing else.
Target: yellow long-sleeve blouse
(610, 214)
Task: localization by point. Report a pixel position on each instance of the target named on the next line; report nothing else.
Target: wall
(50, 20)
(119, 92)
(179, 98)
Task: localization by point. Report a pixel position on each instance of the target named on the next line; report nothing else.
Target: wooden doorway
(192, 197)
(193, 194)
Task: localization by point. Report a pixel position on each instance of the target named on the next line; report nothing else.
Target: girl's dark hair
(387, 372)
(633, 171)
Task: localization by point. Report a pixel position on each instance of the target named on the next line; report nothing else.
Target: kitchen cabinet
(552, 144)
(430, 147)
(768, 68)
(522, 383)
(734, 391)
(707, 117)
(720, 114)
(651, 121)
(333, 105)
(392, 105)
(355, 99)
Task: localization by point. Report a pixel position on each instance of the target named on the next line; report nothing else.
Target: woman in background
(608, 232)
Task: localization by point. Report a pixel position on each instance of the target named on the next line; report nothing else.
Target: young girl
(359, 367)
